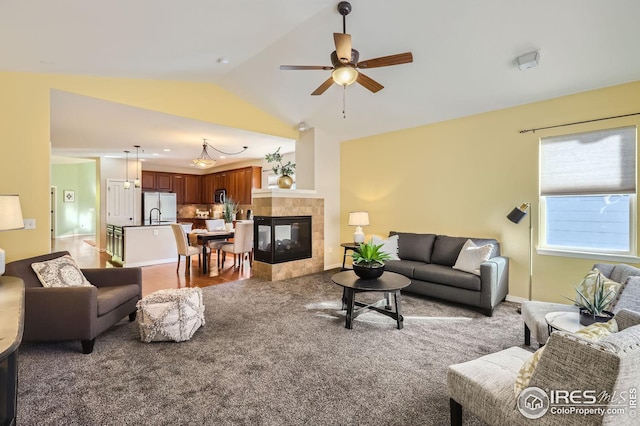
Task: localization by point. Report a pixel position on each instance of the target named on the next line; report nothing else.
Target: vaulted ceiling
(464, 51)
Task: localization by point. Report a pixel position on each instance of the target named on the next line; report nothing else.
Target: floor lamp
(516, 216)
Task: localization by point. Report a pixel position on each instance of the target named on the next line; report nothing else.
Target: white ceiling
(464, 57)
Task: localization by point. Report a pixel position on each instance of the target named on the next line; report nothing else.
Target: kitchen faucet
(151, 213)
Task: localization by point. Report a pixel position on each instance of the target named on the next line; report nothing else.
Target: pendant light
(136, 182)
(205, 159)
(127, 184)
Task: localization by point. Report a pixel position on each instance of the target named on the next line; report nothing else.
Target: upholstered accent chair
(485, 386)
(534, 312)
(76, 313)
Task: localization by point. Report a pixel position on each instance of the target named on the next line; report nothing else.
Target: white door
(120, 203)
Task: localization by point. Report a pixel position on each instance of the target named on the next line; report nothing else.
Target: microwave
(219, 196)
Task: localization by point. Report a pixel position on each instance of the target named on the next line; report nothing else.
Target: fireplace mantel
(285, 193)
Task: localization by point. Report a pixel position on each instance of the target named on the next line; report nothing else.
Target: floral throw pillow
(588, 285)
(593, 332)
(60, 272)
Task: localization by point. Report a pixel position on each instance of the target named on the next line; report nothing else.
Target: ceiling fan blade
(323, 87)
(305, 67)
(343, 46)
(385, 61)
(369, 83)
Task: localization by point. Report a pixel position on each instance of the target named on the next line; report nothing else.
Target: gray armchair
(76, 313)
(534, 312)
(611, 366)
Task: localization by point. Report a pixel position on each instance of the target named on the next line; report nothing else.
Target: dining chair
(186, 250)
(216, 225)
(242, 243)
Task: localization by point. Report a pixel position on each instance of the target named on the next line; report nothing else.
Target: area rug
(271, 353)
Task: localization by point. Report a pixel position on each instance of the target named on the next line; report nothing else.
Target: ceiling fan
(345, 61)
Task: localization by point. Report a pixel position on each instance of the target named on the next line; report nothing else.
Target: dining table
(203, 238)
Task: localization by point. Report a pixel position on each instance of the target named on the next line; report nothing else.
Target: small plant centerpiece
(229, 210)
(368, 261)
(284, 170)
(592, 309)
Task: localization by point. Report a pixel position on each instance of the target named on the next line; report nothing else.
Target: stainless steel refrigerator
(165, 202)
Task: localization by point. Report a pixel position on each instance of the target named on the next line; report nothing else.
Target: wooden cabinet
(178, 187)
(192, 189)
(164, 181)
(197, 189)
(148, 180)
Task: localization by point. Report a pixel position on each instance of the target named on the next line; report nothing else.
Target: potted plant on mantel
(229, 210)
(368, 261)
(284, 170)
(593, 309)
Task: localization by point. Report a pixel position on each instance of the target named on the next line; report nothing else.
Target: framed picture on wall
(69, 196)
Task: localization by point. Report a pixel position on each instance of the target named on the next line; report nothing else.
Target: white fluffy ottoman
(173, 314)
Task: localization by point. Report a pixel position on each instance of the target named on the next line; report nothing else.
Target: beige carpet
(270, 354)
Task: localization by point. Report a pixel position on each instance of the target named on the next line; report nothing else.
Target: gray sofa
(428, 260)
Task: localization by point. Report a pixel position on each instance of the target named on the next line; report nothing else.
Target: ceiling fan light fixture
(345, 75)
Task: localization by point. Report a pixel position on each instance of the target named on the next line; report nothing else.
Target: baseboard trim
(516, 299)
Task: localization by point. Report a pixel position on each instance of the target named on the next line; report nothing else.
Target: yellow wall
(462, 177)
(24, 133)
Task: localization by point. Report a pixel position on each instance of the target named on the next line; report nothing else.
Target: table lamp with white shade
(10, 219)
(358, 219)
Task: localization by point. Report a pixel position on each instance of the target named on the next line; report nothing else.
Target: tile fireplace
(280, 239)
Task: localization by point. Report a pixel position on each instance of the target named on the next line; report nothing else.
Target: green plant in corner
(369, 255)
(229, 210)
(601, 299)
(280, 168)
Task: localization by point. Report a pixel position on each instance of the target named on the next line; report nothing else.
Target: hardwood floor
(154, 277)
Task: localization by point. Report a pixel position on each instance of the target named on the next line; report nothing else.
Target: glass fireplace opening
(280, 239)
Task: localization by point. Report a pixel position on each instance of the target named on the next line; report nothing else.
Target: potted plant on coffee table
(368, 261)
(284, 170)
(592, 309)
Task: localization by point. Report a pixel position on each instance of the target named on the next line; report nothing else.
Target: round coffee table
(563, 321)
(389, 283)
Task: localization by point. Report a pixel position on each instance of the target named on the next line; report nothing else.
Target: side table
(563, 321)
(347, 247)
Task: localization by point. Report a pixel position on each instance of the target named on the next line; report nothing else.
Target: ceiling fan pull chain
(344, 102)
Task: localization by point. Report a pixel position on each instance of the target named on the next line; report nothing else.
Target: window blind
(600, 162)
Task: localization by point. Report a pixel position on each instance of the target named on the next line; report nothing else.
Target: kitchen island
(141, 245)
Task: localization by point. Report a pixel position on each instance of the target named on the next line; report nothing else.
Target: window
(588, 193)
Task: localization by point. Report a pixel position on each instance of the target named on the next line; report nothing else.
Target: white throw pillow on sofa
(389, 245)
(471, 256)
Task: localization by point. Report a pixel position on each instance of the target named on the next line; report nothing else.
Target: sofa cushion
(415, 246)
(22, 268)
(445, 275)
(389, 245)
(446, 249)
(587, 287)
(471, 257)
(60, 272)
(110, 298)
(404, 267)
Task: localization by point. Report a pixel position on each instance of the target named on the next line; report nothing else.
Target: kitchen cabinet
(207, 188)
(148, 180)
(192, 190)
(117, 254)
(109, 245)
(164, 181)
(178, 187)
